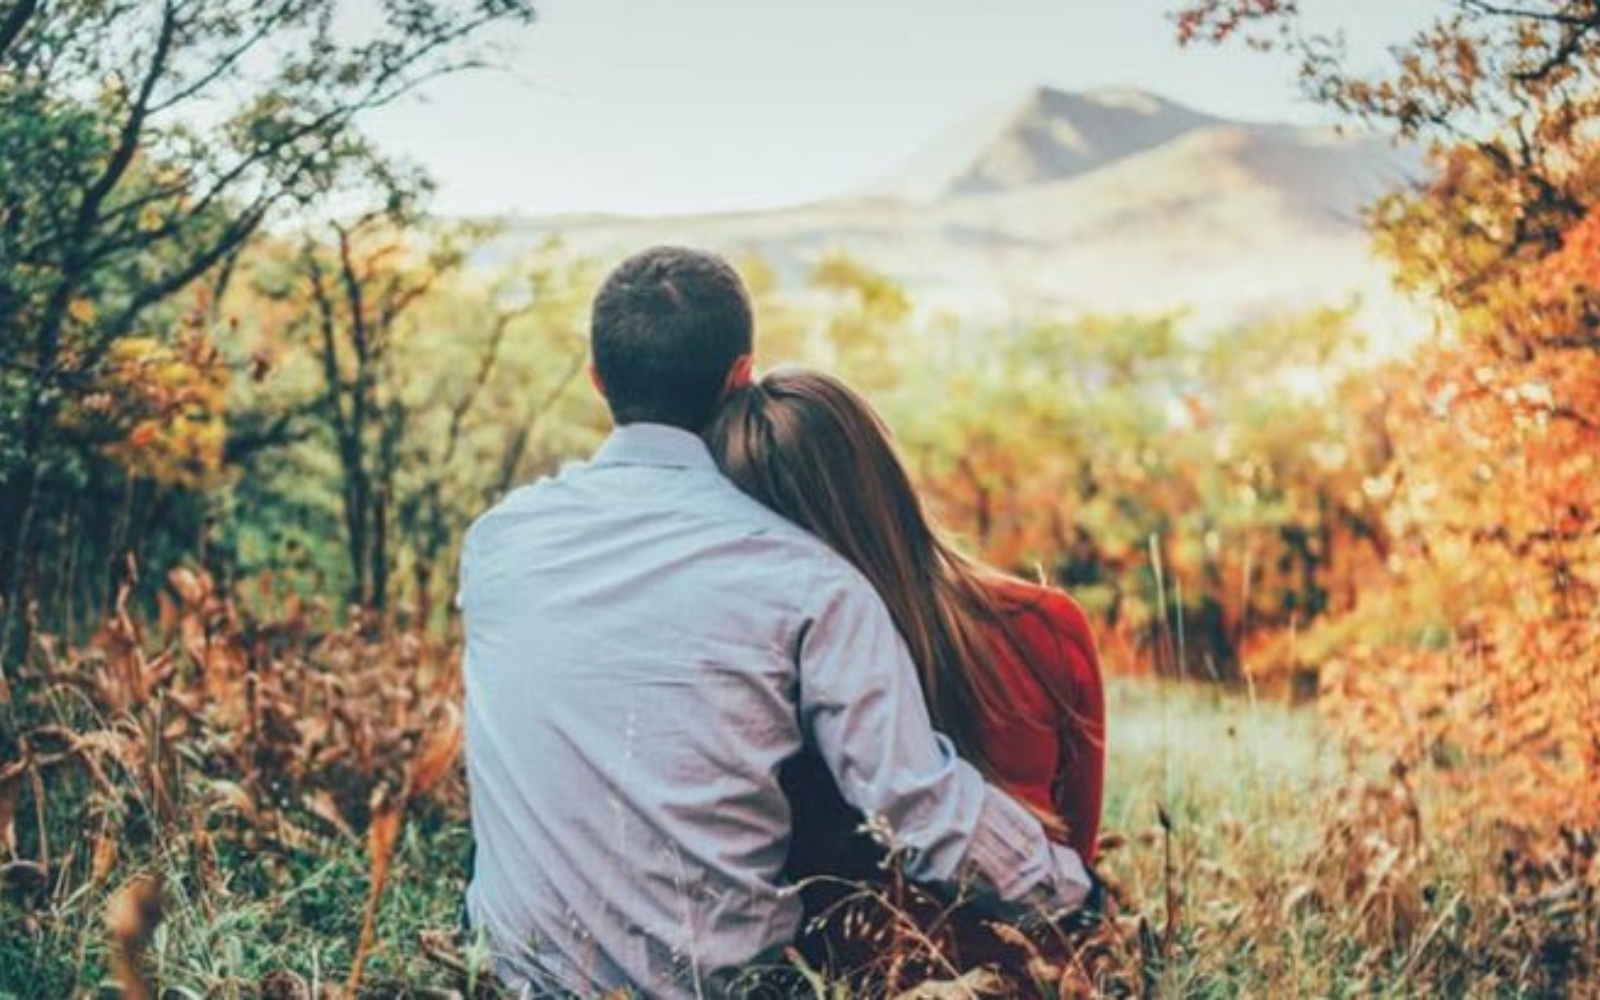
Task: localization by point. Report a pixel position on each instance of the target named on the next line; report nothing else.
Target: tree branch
(234, 235)
(16, 19)
(133, 127)
(326, 320)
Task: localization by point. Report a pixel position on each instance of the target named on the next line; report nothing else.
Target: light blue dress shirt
(645, 645)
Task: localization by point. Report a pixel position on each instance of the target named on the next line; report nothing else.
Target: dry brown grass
(231, 803)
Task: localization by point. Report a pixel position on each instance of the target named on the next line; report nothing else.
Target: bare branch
(1590, 19)
(16, 19)
(226, 62)
(132, 128)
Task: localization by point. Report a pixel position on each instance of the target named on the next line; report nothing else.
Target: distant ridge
(1045, 135)
(1059, 203)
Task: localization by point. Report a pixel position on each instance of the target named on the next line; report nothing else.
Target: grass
(1244, 788)
(1255, 860)
(1297, 869)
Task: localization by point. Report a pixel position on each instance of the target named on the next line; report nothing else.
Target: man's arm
(862, 706)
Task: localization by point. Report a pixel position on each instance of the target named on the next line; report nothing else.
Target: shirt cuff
(1011, 858)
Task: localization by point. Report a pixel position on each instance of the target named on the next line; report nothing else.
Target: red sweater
(1052, 760)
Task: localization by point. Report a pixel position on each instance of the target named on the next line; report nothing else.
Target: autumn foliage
(1479, 652)
(216, 730)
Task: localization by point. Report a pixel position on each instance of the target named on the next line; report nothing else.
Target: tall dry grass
(234, 802)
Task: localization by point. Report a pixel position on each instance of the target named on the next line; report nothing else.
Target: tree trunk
(20, 523)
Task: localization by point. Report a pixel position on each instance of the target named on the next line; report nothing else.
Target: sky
(648, 107)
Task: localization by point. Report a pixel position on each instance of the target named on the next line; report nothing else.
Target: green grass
(1300, 870)
(267, 912)
(1215, 760)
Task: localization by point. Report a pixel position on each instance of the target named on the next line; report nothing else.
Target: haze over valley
(1063, 203)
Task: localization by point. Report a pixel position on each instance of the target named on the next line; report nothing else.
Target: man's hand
(1082, 919)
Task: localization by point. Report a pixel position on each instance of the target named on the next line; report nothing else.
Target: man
(646, 646)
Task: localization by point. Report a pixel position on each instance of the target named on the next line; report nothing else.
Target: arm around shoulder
(862, 706)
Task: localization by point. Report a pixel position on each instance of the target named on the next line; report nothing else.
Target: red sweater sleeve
(1079, 788)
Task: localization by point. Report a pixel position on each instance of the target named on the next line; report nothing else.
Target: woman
(1008, 669)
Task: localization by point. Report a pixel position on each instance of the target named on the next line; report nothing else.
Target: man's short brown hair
(667, 326)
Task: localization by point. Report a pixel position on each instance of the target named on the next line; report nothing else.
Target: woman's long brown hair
(806, 445)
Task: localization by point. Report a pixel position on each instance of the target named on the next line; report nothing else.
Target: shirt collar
(656, 445)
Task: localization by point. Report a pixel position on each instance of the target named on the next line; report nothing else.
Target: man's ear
(594, 380)
(741, 374)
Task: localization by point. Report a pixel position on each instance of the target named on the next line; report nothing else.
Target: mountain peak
(1129, 99)
(1045, 135)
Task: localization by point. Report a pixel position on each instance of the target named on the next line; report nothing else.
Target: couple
(697, 661)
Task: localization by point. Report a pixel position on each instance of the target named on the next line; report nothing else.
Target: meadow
(1252, 853)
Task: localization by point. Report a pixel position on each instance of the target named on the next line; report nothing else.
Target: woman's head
(806, 445)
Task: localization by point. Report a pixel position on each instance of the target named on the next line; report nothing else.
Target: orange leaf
(105, 854)
(143, 434)
(132, 916)
(321, 805)
(437, 754)
(11, 776)
(388, 813)
(189, 586)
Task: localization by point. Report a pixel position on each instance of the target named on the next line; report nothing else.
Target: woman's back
(1050, 756)
(1007, 669)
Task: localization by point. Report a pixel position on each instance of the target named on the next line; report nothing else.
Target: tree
(867, 323)
(513, 407)
(1494, 487)
(1152, 476)
(132, 171)
(428, 388)
(358, 293)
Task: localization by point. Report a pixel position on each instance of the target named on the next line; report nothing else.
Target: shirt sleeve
(862, 707)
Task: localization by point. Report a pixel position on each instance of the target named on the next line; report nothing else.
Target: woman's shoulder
(1020, 599)
(1048, 621)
